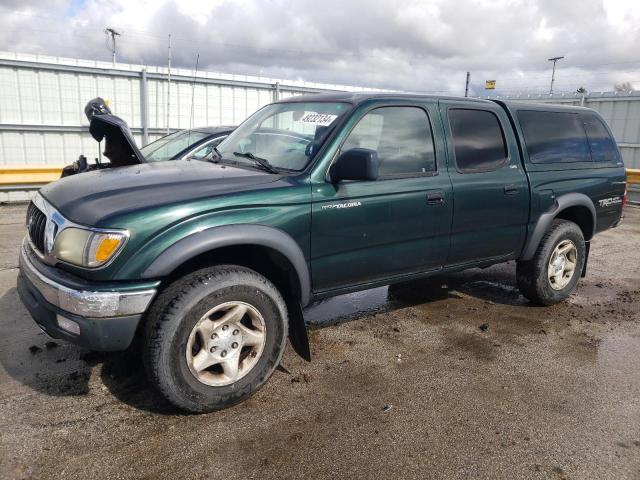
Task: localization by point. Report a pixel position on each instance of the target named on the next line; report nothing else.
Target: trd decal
(607, 202)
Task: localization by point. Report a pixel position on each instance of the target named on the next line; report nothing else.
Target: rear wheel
(553, 273)
(214, 337)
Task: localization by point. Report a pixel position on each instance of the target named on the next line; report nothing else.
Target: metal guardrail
(28, 175)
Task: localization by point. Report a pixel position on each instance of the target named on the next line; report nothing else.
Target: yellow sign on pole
(490, 85)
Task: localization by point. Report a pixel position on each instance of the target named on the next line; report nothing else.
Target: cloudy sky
(425, 46)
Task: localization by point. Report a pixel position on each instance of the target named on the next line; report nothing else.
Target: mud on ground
(455, 377)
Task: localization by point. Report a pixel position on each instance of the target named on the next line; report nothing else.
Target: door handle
(435, 198)
(510, 189)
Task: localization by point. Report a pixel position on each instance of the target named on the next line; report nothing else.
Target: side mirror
(355, 164)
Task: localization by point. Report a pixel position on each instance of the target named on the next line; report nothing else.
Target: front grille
(36, 223)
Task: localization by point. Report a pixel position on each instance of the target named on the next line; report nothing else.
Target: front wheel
(553, 273)
(214, 337)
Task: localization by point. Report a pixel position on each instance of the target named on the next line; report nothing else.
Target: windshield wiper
(262, 162)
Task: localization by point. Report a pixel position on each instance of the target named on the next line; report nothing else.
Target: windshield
(287, 135)
(169, 146)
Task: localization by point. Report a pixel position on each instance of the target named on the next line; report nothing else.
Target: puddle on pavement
(497, 292)
(348, 307)
(424, 291)
(382, 299)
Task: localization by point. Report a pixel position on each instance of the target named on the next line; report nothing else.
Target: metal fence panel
(42, 100)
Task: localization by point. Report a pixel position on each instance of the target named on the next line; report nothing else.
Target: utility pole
(169, 84)
(114, 34)
(466, 87)
(553, 71)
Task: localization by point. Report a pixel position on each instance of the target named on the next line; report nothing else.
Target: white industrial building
(42, 99)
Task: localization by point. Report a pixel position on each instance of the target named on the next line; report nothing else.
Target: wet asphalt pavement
(455, 377)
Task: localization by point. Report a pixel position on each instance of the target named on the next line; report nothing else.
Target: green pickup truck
(208, 265)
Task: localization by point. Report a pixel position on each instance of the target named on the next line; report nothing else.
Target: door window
(478, 140)
(402, 138)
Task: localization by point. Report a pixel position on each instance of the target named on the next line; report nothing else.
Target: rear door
(490, 190)
(363, 231)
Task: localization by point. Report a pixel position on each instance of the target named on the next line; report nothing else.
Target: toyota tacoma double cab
(208, 265)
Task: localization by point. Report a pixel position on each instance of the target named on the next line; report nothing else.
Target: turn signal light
(106, 247)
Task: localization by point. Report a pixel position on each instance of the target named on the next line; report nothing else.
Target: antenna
(466, 86)
(193, 89)
(114, 34)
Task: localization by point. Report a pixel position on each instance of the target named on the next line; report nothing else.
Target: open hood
(103, 124)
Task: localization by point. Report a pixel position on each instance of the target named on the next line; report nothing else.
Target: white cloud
(544, 33)
(411, 44)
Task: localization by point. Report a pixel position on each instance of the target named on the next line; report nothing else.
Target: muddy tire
(214, 337)
(552, 274)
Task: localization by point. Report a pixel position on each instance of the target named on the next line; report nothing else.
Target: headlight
(87, 248)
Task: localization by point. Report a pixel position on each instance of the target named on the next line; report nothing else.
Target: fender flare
(544, 221)
(228, 235)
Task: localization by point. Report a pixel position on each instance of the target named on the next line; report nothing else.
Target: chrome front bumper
(84, 303)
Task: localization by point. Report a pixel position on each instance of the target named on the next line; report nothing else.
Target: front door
(363, 231)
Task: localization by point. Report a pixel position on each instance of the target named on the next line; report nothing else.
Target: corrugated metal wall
(620, 110)
(42, 100)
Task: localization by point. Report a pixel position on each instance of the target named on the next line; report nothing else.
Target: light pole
(553, 71)
(114, 34)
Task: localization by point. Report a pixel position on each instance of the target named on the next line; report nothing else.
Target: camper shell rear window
(554, 137)
(566, 137)
(602, 144)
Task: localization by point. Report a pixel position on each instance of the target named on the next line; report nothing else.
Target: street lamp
(553, 72)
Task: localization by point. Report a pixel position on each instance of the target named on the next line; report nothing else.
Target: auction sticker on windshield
(322, 119)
